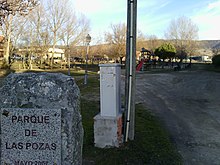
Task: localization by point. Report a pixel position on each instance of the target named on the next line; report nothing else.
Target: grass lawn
(213, 68)
(152, 144)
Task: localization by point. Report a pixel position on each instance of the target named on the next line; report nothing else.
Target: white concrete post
(108, 124)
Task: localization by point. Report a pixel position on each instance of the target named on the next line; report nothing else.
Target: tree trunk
(54, 45)
(7, 51)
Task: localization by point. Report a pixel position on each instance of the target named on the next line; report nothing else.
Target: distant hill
(206, 47)
(209, 44)
(217, 46)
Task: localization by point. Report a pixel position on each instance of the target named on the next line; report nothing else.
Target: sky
(153, 16)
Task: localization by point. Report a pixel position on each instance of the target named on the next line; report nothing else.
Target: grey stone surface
(30, 135)
(49, 91)
(107, 131)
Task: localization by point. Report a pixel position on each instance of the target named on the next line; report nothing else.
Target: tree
(7, 11)
(153, 42)
(18, 28)
(11, 33)
(42, 37)
(165, 51)
(117, 40)
(57, 16)
(74, 31)
(216, 60)
(141, 39)
(51, 22)
(7, 33)
(149, 42)
(216, 49)
(183, 32)
(12, 7)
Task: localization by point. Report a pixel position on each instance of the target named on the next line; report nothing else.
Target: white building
(58, 56)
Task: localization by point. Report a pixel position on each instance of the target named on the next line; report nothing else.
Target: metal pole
(68, 61)
(86, 70)
(130, 69)
(88, 40)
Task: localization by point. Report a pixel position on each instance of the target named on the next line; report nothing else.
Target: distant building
(207, 59)
(58, 56)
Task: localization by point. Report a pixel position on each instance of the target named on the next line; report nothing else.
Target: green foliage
(181, 53)
(216, 60)
(166, 50)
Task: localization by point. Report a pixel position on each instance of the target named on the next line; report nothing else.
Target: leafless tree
(7, 31)
(18, 28)
(42, 38)
(153, 43)
(141, 40)
(12, 7)
(117, 40)
(13, 30)
(74, 31)
(183, 32)
(51, 22)
(57, 16)
(9, 8)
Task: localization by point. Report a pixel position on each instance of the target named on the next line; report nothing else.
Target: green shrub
(216, 60)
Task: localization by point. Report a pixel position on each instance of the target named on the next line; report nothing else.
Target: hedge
(216, 60)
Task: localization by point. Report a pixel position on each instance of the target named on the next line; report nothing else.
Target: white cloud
(207, 20)
(153, 16)
(99, 6)
(214, 5)
(209, 28)
(151, 19)
(152, 6)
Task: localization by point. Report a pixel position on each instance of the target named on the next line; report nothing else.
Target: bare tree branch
(183, 32)
(13, 7)
(117, 40)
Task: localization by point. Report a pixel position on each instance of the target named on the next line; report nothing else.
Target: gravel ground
(188, 104)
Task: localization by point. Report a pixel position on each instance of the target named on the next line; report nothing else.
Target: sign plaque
(30, 136)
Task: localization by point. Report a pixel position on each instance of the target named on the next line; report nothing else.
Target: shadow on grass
(152, 144)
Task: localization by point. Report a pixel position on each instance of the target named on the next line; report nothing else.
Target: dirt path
(189, 105)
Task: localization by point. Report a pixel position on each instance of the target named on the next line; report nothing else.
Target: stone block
(108, 131)
(31, 135)
(54, 93)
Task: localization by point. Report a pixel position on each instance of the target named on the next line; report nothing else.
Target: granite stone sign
(40, 120)
(31, 136)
